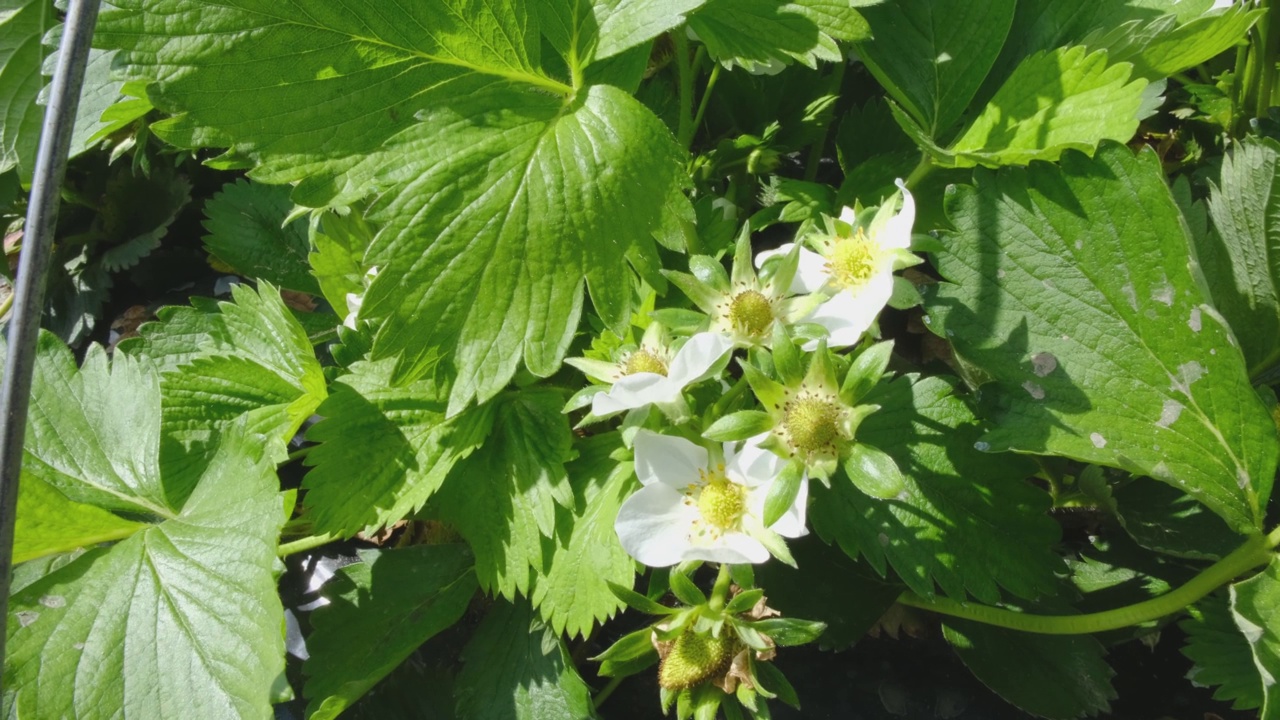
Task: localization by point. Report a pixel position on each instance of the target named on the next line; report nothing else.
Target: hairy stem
(684, 74)
(706, 96)
(1255, 551)
(606, 691)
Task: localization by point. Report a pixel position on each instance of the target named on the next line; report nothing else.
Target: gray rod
(33, 266)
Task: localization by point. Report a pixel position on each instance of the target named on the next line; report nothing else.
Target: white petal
(752, 466)
(847, 315)
(791, 524)
(847, 216)
(633, 391)
(354, 302)
(667, 459)
(811, 272)
(696, 357)
(730, 548)
(896, 233)
(653, 525)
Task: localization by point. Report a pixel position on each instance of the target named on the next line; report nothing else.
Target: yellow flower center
(852, 261)
(811, 423)
(722, 502)
(751, 312)
(645, 361)
(694, 659)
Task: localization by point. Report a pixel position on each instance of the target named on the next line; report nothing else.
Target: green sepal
(744, 601)
(744, 575)
(684, 589)
(782, 494)
(770, 679)
(679, 320)
(904, 295)
(822, 373)
(636, 601)
(867, 369)
(706, 701)
(739, 426)
(744, 272)
(872, 471)
(710, 272)
(768, 391)
(780, 281)
(731, 710)
(631, 654)
(752, 637)
(771, 540)
(582, 398)
(705, 297)
(789, 632)
(667, 698)
(905, 259)
(856, 415)
(787, 358)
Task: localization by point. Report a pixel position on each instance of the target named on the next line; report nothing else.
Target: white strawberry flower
(854, 267)
(695, 507)
(651, 375)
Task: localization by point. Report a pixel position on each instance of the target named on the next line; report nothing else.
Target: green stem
(307, 543)
(606, 691)
(720, 591)
(1255, 551)
(921, 171)
(706, 96)
(684, 74)
(6, 304)
(836, 80)
(1270, 52)
(300, 453)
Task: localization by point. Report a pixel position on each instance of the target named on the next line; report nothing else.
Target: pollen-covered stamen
(812, 423)
(852, 261)
(722, 503)
(751, 312)
(694, 658)
(644, 361)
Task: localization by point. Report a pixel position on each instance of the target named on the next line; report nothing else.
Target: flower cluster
(724, 462)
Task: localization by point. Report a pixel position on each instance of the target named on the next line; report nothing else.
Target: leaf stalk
(1256, 551)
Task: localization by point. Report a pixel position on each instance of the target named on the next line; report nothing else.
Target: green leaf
(93, 432)
(503, 290)
(48, 523)
(380, 611)
(587, 556)
(739, 426)
(872, 471)
(1222, 655)
(182, 617)
(247, 231)
(932, 55)
(934, 433)
(407, 447)
(757, 34)
(1071, 286)
(1162, 47)
(843, 593)
(1053, 101)
(500, 188)
(1253, 606)
(1240, 261)
(258, 363)
(340, 242)
(1051, 676)
(22, 24)
(624, 24)
(503, 499)
(685, 590)
(1167, 520)
(517, 669)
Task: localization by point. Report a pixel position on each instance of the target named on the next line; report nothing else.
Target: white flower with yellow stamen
(652, 374)
(854, 266)
(742, 306)
(694, 507)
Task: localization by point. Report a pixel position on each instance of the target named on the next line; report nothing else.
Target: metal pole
(37, 242)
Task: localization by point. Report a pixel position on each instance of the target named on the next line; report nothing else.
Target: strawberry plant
(583, 348)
